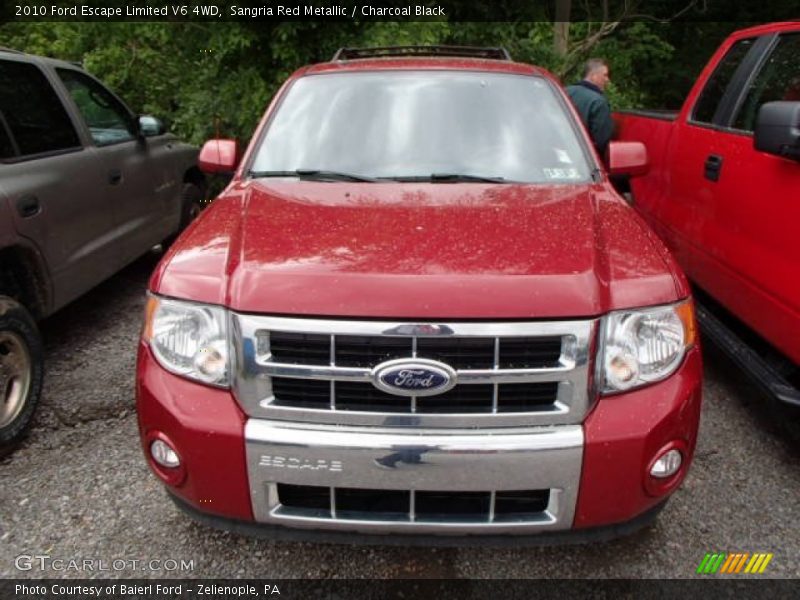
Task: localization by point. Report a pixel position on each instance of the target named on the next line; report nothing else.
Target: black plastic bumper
(273, 532)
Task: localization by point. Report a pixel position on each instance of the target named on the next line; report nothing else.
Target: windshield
(423, 125)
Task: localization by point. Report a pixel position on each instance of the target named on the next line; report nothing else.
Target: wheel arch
(23, 276)
(196, 176)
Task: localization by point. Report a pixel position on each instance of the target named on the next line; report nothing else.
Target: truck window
(108, 120)
(779, 79)
(32, 111)
(712, 93)
(409, 125)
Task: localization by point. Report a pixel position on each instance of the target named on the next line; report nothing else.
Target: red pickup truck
(420, 308)
(723, 191)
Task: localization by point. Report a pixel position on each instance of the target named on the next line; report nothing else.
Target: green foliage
(49, 39)
(635, 50)
(530, 42)
(392, 33)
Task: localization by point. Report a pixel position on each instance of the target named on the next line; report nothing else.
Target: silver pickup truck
(86, 187)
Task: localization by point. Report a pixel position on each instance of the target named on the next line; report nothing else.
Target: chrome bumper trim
(426, 460)
(468, 376)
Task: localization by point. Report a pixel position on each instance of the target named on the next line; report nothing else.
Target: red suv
(420, 308)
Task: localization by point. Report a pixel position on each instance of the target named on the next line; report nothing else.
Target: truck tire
(21, 372)
(191, 203)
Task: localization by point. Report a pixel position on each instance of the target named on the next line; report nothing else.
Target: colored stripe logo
(741, 562)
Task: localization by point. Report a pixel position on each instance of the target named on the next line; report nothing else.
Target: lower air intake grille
(412, 505)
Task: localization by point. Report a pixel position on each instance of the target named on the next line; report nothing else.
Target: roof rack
(498, 53)
(11, 50)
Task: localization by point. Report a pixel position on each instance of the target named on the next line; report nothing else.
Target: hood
(399, 250)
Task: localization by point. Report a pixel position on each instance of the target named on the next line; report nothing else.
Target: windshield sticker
(563, 157)
(561, 173)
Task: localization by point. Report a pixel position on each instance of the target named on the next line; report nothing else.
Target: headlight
(189, 339)
(643, 346)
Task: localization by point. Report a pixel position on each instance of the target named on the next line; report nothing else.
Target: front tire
(21, 372)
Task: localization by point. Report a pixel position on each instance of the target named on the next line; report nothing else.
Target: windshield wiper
(456, 177)
(313, 175)
(452, 178)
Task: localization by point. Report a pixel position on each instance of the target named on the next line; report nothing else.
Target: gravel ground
(79, 488)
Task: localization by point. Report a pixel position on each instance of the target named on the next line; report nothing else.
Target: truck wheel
(21, 372)
(191, 203)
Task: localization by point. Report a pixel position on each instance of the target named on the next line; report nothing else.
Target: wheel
(191, 203)
(21, 372)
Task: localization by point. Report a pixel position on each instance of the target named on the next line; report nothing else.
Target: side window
(716, 85)
(32, 112)
(779, 79)
(108, 120)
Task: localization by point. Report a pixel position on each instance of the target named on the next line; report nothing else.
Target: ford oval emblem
(413, 377)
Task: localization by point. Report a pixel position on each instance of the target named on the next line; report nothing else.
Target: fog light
(164, 455)
(667, 464)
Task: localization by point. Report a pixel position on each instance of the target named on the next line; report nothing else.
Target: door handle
(28, 206)
(713, 167)
(114, 176)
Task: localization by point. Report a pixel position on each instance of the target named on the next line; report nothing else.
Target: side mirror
(150, 126)
(778, 129)
(627, 158)
(219, 156)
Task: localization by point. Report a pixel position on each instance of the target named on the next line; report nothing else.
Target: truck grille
(311, 370)
(355, 396)
(459, 353)
(411, 505)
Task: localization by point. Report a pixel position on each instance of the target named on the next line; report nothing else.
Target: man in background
(590, 101)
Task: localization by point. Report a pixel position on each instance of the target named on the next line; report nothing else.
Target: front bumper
(595, 474)
(410, 464)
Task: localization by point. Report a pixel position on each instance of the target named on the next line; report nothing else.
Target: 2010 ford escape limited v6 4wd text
(420, 308)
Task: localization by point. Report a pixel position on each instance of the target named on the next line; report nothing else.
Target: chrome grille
(356, 396)
(508, 374)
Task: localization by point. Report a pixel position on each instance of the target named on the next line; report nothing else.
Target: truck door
(129, 185)
(756, 208)
(697, 152)
(48, 179)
